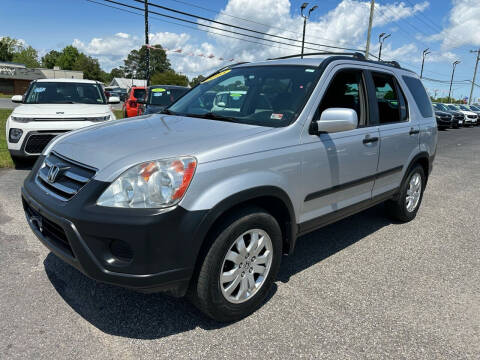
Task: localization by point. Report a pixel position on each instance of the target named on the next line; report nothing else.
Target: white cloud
(343, 26)
(463, 27)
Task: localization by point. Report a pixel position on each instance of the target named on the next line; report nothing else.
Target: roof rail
(356, 55)
(393, 63)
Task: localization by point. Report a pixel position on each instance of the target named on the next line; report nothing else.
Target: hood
(123, 143)
(442, 113)
(61, 110)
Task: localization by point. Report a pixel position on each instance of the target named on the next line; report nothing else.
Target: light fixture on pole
(451, 80)
(305, 17)
(425, 53)
(381, 39)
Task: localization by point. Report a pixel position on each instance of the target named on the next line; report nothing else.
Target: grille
(472, 116)
(50, 230)
(459, 117)
(71, 176)
(36, 143)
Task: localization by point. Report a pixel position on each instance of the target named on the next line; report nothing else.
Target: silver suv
(204, 200)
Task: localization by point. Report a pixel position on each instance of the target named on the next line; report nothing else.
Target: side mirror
(113, 100)
(17, 98)
(221, 104)
(141, 100)
(335, 120)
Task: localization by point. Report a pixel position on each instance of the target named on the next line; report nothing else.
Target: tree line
(70, 58)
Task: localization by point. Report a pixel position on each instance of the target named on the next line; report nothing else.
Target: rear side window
(420, 95)
(139, 93)
(392, 106)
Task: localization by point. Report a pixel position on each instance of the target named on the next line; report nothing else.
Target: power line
(238, 27)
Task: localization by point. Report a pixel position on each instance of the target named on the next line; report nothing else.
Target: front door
(339, 168)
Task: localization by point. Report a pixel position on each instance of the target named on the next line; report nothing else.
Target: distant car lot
(364, 287)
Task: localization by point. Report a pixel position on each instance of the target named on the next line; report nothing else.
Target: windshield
(464, 108)
(474, 108)
(440, 107)
(260, 95)
(452, 107)
(163, 97)
(65, 93)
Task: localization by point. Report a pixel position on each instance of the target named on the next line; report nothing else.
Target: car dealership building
(15, 78)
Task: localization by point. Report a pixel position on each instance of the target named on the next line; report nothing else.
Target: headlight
(100, 118)
(14, 135)
(21, 119)
(153, 184)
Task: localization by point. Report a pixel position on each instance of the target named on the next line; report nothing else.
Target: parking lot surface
(361, 288)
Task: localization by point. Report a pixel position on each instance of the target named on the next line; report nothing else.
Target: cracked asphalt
(361, 288)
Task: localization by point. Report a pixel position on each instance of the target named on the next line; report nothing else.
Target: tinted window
(345, 91)
(391, 103)
(164, 97)
(138, 93)
(420, 95)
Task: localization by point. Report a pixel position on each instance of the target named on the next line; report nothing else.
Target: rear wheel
(240, 266)
(405, 206)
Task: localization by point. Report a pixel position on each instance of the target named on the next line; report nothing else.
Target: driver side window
(346, 90)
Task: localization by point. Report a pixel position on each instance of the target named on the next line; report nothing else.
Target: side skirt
(317, 223)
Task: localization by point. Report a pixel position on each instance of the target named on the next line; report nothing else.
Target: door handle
(414, 131)
(370, 139)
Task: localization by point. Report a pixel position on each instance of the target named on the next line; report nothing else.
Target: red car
(130, 106)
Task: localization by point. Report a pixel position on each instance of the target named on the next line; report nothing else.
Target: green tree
(49, 60)
(169, 77)
(135, 65)
(8, 48)
(117, 73)
(90, 67)
(27, 56)
(68, 57)
(197, 80)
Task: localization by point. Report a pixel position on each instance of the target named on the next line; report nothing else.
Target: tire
(398, 208)
(208, 294)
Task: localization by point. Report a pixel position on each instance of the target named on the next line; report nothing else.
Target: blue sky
(450, 28)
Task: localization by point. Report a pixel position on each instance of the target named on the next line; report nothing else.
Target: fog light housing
(121, 250)
(14, 135)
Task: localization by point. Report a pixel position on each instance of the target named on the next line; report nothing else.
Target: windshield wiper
(168, 112)
(213, 116)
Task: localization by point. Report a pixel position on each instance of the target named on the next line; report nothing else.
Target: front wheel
(405, 206)
(240, 266)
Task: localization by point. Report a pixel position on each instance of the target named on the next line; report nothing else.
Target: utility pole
(474, 74)
(381, 39)
(425, 53)
(369, 33)
(451, 80)
(146, 42)
(305, 17)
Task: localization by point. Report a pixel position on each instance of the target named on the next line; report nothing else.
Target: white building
(125, 83)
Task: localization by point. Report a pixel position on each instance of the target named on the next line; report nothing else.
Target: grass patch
(118, 114)
(5, 159)
(5, 96)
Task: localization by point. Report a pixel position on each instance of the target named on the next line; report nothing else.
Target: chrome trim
(56, 185)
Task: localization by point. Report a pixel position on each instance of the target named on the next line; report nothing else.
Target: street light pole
(474, 75)
(381, 39)
(305, 17)
(147, 75)
(451, 80)
(425, 53)
(369, 33)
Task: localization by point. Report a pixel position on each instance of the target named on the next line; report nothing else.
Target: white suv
(51, 107)
(470, 116)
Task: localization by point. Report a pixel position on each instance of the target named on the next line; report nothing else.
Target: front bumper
(143, 249)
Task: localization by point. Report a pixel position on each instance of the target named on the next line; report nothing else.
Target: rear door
(339, 168)
(399, 133)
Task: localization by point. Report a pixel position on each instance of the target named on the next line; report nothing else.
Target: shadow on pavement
(126, 313)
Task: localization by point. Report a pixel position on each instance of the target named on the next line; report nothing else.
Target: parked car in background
(470, 116)
(444, 119)
(130, 106)
(158, 97)
(52, 107)
(457, 116)
(476, 110)
(116, 91)
(205, 202)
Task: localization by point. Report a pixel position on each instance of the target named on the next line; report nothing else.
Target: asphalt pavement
(361, 288)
